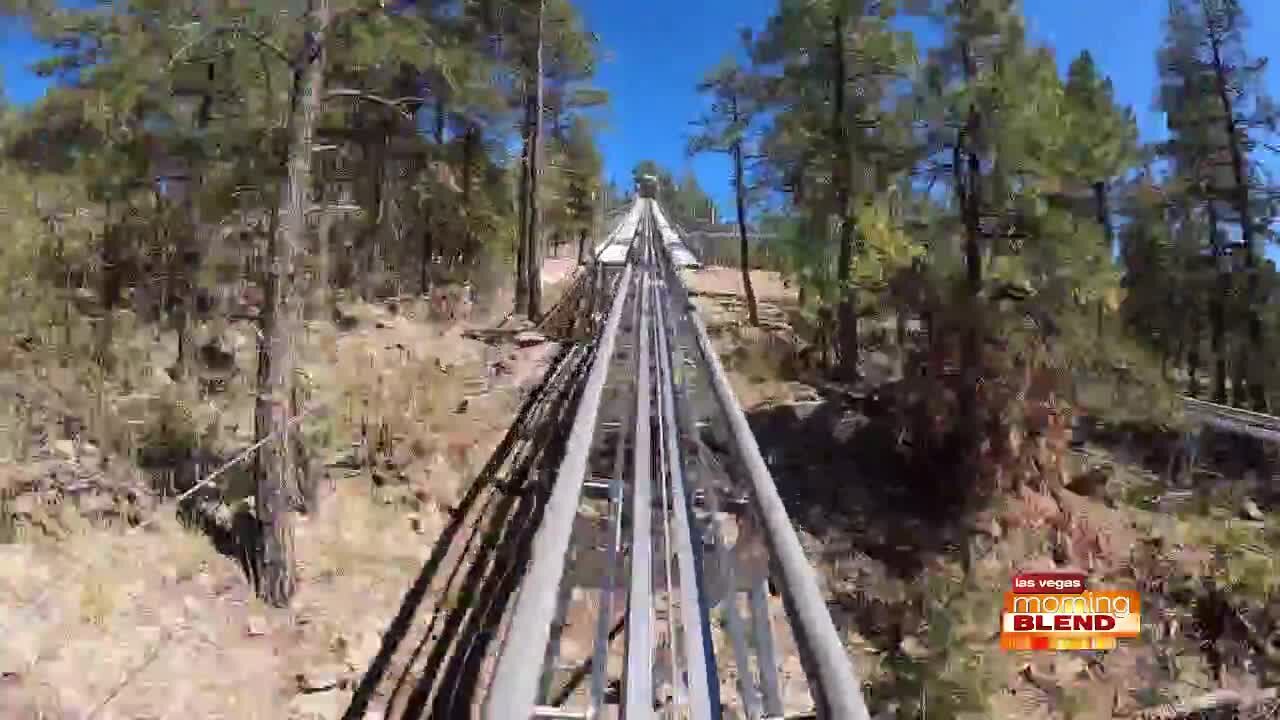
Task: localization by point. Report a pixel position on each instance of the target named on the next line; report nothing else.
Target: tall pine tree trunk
(324, 241)
(534, 258)
(189, 250)
(110, 290)
(64, 357)
(1193, 357)
(276, 468)
(846, 316)
(1240, 381)
(1103, 211)
(1254, 356)
(522, 235)
(740, 197)
(471, 146)
(753, 313)
(375, 261)
(1217, 309)
(969, 192)
(424, 270)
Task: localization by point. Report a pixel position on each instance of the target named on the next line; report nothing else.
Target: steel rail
(600, 653)
(1240, 420)
(1198, 405)
(699, 664)
(766, 658)
(833, 682)
(663, 478)
(696, 663)
(1233, 419)
(637, 692)
(513, 693)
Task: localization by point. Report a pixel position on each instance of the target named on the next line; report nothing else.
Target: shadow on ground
(842, 474)
(488, 539)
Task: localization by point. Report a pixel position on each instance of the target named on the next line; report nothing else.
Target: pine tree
(828, 67)
(582, 164)
(1101, 142)
(726, 129)
(1209, 95)
(984, 38)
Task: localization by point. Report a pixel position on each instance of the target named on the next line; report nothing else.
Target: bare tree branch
(396, 104)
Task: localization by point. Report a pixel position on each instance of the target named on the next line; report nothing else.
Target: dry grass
(93, 615)
(96, 606)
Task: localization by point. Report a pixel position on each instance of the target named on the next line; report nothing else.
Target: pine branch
(258, 38)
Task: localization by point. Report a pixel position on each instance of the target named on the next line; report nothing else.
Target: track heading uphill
(662, 515)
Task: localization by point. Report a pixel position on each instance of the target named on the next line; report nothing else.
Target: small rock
(320, 678)
(529, 338)
(1249, 510)
(415, 522)
(462, 408)
(256, 626)
(65, 448)
(316, 706)
(912, 647)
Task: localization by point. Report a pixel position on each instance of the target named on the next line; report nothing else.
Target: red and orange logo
(1054, 611)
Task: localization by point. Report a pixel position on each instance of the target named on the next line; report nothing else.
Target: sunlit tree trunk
(740, 193)
(276, 465)
(522, 234)
(534, 258)
(1217, 309)
(846, 315)
(1253, 370)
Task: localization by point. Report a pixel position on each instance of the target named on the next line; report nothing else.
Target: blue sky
(658, 50)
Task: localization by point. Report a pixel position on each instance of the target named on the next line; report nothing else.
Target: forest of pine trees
(193, 154)
(360, 150)
(971, 185)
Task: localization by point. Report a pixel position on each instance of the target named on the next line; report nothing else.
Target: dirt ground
(97, 621)
(104, 622)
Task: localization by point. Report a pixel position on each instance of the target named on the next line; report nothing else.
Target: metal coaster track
(649, 529)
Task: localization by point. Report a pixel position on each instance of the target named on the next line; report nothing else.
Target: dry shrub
(367, 538)
(1017, 434)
